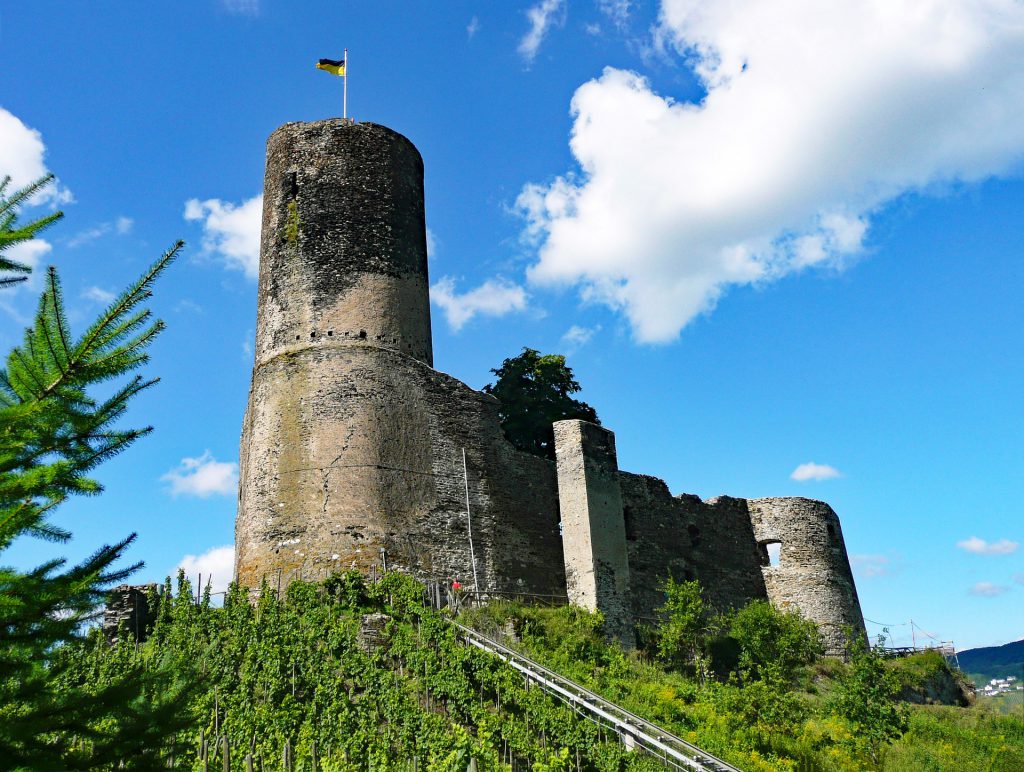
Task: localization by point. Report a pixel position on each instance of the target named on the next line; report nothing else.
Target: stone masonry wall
(128, 605)
(593, 533)
(351, 451)
(813, 574)
(711, 541)
(338, 469)
(352, 444)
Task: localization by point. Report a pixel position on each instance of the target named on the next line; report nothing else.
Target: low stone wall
(128, 605)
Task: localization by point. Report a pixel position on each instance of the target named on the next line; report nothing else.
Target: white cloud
(22, 158)
(89, 234)
(472, 28)
(577, 336)
(121, 226)
(495, 297)
(982, 547)
(541, 16)
(217, 565)
(98, 295)
(871, 566)
(29, 252)
(230, 230)
(203, 477)
(987, 589)
(812, 471)
(816, 115)
(616, 10)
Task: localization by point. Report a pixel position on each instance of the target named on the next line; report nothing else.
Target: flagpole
(344, 98)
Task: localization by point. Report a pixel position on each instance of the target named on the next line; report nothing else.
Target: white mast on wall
(469, 522)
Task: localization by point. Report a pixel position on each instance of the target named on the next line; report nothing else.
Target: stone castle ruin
(357, 453)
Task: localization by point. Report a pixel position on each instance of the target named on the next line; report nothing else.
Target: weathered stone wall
(351, 450)
(128, 605)
(593, 533)
(352, 444)
(343, 254)
(711, 541)
(355, 449)
(813, 573)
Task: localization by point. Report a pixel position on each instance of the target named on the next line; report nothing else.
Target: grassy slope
(754, 727)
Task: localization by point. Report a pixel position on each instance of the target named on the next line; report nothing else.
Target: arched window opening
(694, 533)
(771, 552)
(291, 185)
(629, 521)
(831, 531)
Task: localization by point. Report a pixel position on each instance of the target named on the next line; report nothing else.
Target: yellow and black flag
(333, 66)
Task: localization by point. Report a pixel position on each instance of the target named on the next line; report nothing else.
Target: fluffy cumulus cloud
(230, 231)
(29, 253)
(542, 17)
(987, 589)
(22, 158)
(815, 115)
(871, 566)
(812, 471)
(982, 547)
(495, 297)
(203, 477)
(217, 565)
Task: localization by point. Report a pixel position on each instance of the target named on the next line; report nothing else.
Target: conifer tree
(53, 434)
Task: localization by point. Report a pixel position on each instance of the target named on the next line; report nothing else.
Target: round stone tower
(343, 255)
(343, 316)
(805, 565)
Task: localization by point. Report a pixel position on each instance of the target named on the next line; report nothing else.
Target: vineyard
(296, 683)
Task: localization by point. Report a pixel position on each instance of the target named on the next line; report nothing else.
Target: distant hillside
(993, 661)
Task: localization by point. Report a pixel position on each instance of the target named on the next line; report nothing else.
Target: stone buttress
(593, 531)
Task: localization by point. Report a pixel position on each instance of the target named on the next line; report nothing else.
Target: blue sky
(780, 242)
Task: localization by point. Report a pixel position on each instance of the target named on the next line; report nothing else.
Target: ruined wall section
(352, 443)
(593, 532)
(710, 541)
(813, 573)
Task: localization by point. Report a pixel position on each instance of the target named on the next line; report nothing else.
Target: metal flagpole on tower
(344, 90)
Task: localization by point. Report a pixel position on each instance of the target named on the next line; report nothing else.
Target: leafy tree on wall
(53, 434)
(535, 391)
